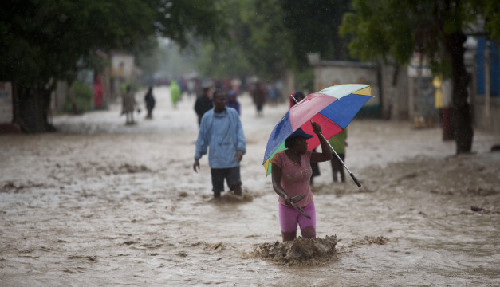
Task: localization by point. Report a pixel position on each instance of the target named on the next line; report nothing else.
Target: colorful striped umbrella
(333, 108)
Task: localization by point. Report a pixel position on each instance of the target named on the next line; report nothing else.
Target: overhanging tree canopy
(435, 28)
(43, 40)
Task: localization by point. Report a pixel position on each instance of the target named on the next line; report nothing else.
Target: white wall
(122, 65)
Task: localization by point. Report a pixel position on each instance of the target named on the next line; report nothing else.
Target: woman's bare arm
(326, 152)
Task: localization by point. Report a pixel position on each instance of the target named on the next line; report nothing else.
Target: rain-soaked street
(104, 204)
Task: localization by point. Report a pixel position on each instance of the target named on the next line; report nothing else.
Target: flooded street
(104, 204)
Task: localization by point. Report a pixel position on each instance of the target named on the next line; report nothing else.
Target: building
(413, 93)
(485, 86)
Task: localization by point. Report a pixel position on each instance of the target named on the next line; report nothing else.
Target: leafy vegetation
(83, 97)
(270, 37)
(41, 41)
(382, 29)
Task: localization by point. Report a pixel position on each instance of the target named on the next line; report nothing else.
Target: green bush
(83, 97)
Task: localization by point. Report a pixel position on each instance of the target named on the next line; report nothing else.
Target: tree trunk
(462, 116)
(31, 108)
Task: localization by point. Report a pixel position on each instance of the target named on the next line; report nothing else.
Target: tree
(260, 36)
(223, 60)
(313, 27)
(435, 28)
(492, 16)
(257, 43)
(42, 41)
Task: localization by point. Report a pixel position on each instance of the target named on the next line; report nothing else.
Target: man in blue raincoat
(221, 131)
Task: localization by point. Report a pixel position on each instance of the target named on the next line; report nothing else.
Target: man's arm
(201, 144)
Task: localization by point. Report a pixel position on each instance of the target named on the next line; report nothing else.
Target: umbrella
(333, 108)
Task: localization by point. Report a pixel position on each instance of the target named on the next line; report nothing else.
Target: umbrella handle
(355, 179)
(300, 210)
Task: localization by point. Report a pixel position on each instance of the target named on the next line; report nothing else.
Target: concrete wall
(329, 73)
(122, 65)
(485, 120)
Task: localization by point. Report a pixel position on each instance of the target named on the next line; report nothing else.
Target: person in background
(338, 143)
(128, 105)
(232, 101)
(150, 102)
(203, 103)
(175, 93)
(222, 132)
(291, 173)
(259, 94)
(297, 97)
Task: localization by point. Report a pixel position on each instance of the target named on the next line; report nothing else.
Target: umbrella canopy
(333, 108)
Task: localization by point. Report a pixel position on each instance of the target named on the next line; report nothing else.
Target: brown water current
(104, 204)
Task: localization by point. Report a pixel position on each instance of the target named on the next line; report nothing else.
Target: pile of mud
(231, 198)
(369, 240)
(11, 186)
(470, 174)
(301, 251)
(128, 168)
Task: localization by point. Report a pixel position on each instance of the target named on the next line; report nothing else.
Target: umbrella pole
(346, 168)
(300, 210)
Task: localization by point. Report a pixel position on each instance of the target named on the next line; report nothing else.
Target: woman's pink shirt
(294, 178)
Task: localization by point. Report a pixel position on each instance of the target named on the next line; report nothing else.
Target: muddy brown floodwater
(104, 204)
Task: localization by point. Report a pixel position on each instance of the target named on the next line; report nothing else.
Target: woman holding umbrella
(291, 173)
(296, 98)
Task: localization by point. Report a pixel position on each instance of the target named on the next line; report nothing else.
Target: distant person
(259, 94)
(98, 93)
(291, 173)
(222, 133)
(175, 93)
(128, 105)
(297, 97)
(203, 103)
(150, 102)
(338, 143)
(232, 101)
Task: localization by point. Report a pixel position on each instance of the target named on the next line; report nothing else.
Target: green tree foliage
(223, 60)
(264, 39)
(313, 27)
(269, 37)
(435, 28)
(43, 40)
(83, 95)
(181, 19)
(492, 16)
(258, 42)
(379, 29)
